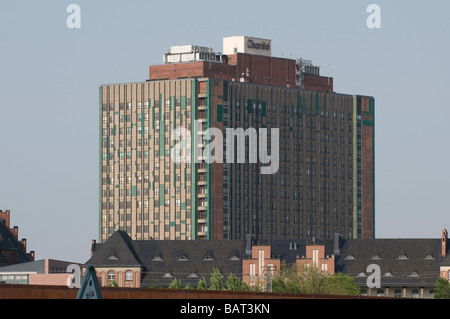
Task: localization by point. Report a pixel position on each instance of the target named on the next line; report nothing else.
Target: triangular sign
(90, 288)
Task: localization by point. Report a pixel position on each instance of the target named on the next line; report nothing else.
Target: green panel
(193, 159)
(250, 106)
(317, 104)
(172, 224)
(183, 103)
(208, 169)
(100, 98)
(162, 131)
(219, 113)
(142, 123)
(355, 168)
(372, 110)
(153, 115)
(367, 123)
(133, 191)
(264, 108)
(161, 195)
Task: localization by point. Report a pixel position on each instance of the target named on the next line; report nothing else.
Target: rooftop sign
(250, 45)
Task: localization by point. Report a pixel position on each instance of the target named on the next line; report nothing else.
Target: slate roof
(37, 266)
(403, 262)
(290, 250)
(164, 260)
(10, 243)
(407, 262)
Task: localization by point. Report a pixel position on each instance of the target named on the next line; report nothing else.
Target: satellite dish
(242, 80)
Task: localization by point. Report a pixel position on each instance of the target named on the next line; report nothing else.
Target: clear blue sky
(50, 74)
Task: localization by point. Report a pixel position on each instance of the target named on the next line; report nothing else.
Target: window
(402, 257)
(380, 293)
(397, 293)
(415, 293)
(111, 276)
(128, 275)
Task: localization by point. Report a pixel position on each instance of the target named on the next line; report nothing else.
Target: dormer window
(234, 258)
(375, 257)
(350, 257)
(208, 258)
(112, 257)
(429, 257)
(402, 257)
(167, 276)
(182, 258)
(362, 274)
(192, 275)
(388, 274)
(414, 274)
(157, 258)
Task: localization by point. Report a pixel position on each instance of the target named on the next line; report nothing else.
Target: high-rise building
(304, 168)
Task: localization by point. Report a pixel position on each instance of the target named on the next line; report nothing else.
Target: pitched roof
(116, 251)
(9, 242)
(401, 261)
(164, 260)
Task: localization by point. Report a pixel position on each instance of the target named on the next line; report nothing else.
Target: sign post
(90, 288)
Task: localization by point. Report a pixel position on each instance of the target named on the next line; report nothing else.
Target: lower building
(406, 268)
(12, 251)
(45, 272)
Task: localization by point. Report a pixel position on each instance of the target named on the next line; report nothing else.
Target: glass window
(129, 275)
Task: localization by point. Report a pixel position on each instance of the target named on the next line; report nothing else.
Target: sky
(50, 75)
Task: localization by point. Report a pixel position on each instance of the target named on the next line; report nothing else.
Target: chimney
(444, 242)
(337, 244)
(15, 232)
(6, 217)
(248, 247)
(94, 242)
(32, 255)
(24, 244)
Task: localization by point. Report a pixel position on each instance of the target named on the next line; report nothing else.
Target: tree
(175, 284)
(309, 280)
(216, 280)
(340, 284)
(442, 289)
(202, 284)
(235, 284)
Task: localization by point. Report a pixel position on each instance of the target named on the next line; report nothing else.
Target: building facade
(44, 272)
(408, 268)
(323, 182)
(12, 250)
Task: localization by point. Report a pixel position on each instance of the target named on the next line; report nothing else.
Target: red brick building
(12, 250)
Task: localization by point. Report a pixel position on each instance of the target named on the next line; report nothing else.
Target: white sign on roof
(250, 45)
(90, 288)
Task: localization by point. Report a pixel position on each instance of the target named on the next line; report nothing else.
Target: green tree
(202, 284)
(235, 284)
(309, 280)
(175, 284)
(442, 289)
(216, 280)
(341, 284)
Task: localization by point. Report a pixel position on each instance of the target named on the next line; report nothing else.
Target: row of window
(398, 293)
